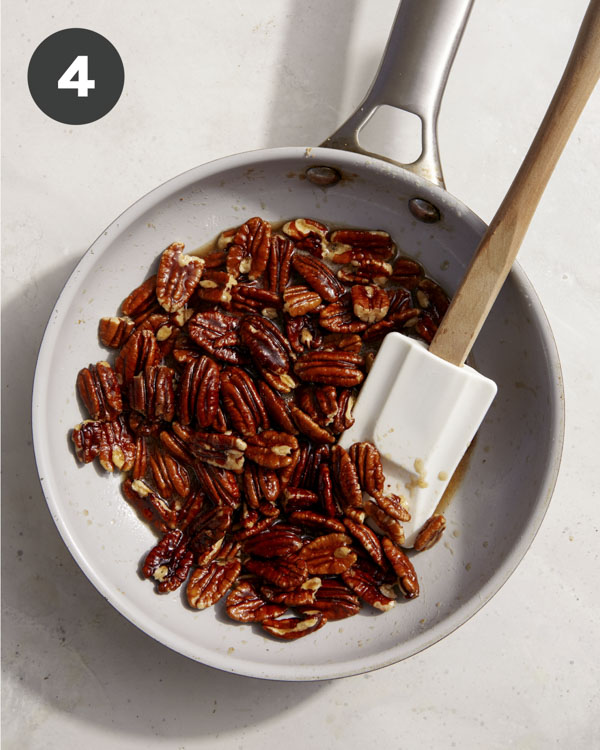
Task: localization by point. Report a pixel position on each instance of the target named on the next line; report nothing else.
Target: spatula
(422, 407)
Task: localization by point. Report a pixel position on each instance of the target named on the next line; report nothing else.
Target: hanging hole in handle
(394, 133)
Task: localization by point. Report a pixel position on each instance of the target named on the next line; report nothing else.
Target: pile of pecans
(235, 372)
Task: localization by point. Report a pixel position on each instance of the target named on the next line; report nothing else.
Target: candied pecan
(319, 402)
(338, 318)
(364, 239)
(152, 507)
(366, 271)
(198, 394)
(284, 572)
(152, 393)
(177, 442)
(366, 587)
(268, 348)
(192, 506)
(216, 286)
(239, 535)
(368, 538)
(209, 583)
(216, 333)
(291, 628)
(279, 540)
(330, 368)
(279, 266)
(169, 562)
(347, 342)
(318, 276)
(388, 525)
(369, 303)
(216, 258)
(177, 278)
(325, 490)
(431, 533)
(312, 520)
(407, 577)
(99, 389)
(260, 484)
(141, 301)
(169, 475)
(304, 594)
(244, 604)
(297, 498)
(330, 554)
(394, 506)
(114, 332)
(432, 297)
(346, 487)
(111, 442)
(334, 600)
(242, 402)
(219, 449)
(407, 272)
(309, 427)
(303, 333)
(219, 484)
(253, 238)
(209, 527)
(300, 300)
(277, 408)
(367, 461)
(426, 327)
(343, 419)
(284, 382)
(141, 457)
(271, 449)
(309, 235)
(139, 351)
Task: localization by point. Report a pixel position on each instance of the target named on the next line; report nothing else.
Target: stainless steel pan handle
(412, 76)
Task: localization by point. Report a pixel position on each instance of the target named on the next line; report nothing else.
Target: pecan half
(271, 449)
(367, 462)
(279, 540)
(346, 487)
(309, 427)
(280, 263)
(139, 351)
(152, 507)
(208, 528)
(284, 572)
(338, 318)
(334, 600)
(198, 394)
(366, 587)
(300, 300)
(309, 235)
(100, 391)
(169, 562)
(388, 525)
(328, 555)
(368, 539)
(216, 333)
(219, 449)
(254, 238)
(268, 348)
(431, 533)
(170, 476)
(291, 628)
(152, 393)
(244, 604)
(141, 301)
(303, 333)
(219, 484)
(260, 484)
(404, 569)
(318, 276)
(177, 278)
(114, 332)
(277, 408)
(242, 402)
(369, 303)
(209, 583)
(330, 368)
(311, 520)
(110, 442)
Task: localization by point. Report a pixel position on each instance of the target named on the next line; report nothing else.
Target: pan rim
(246, 667)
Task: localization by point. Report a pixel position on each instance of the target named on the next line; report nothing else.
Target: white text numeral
(76, 77)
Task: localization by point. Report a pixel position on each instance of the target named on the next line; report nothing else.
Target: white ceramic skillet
(506, 485)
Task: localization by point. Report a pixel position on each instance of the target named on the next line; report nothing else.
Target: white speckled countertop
(208, 79)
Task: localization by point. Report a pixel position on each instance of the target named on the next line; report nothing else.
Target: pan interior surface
(508, 476)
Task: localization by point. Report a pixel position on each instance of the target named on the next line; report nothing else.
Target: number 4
(79, 68)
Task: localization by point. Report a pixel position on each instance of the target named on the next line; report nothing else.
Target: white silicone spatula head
(421, 408)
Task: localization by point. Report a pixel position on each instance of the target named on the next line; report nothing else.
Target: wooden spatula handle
(498, 249)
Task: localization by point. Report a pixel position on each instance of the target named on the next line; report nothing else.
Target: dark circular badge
(76, 76)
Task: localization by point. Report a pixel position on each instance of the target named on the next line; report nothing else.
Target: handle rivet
(323, 176)
(424, 210)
